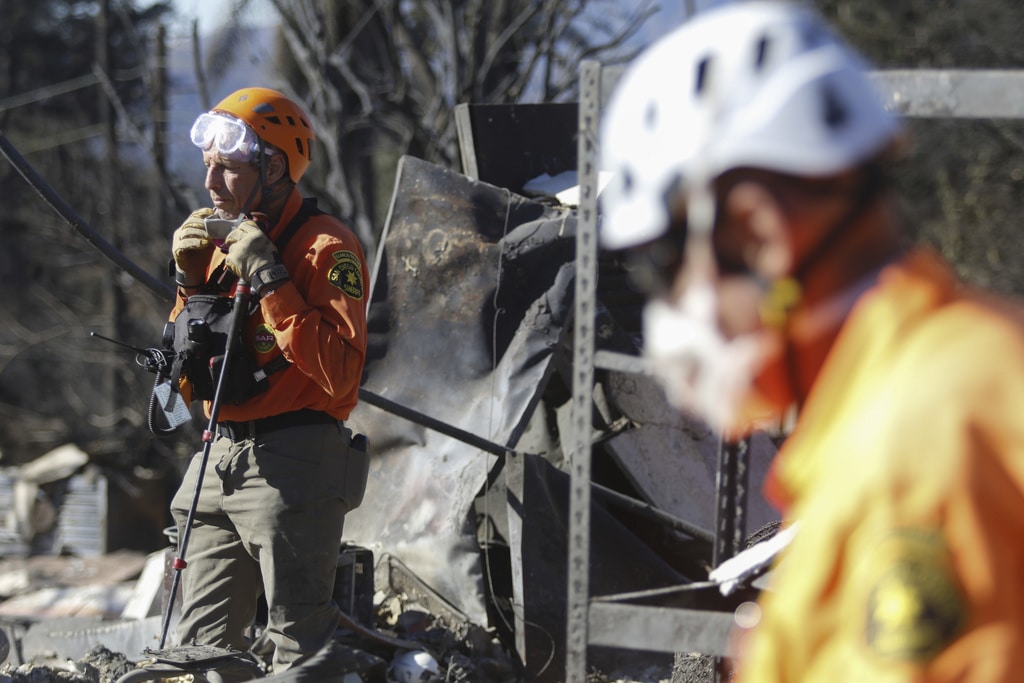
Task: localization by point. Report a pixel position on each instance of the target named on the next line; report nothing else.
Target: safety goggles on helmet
(227, 136)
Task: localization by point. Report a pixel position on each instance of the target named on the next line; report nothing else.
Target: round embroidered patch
(347, 274)
(914, 608)
(264, 339)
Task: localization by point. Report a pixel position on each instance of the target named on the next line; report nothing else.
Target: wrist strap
(268, 276)
(181, 280)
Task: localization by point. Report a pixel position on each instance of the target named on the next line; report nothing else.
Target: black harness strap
(305, 212)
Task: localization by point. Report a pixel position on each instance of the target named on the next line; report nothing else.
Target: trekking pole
(237, 315)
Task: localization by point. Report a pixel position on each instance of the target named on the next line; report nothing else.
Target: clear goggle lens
(225, 135)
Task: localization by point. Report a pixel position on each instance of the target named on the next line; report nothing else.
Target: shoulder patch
(264, 339)
(914, 605)
(347, 274)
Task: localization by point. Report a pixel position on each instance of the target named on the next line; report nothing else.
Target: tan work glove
(253, 257)
(191, 247)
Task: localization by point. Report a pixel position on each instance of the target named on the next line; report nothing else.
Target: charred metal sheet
(471, 289)
(672, 460)
(660, 629)
(394, 575)
(538, 510)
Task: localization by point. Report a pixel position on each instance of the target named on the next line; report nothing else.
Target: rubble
(99, 665)
(402, 624)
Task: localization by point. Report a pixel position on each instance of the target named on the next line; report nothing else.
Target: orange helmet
(277, 121)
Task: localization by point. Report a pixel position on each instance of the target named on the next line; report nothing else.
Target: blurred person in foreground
(751, 199)
(282, 472)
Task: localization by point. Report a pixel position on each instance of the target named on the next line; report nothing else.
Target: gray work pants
(269, 520)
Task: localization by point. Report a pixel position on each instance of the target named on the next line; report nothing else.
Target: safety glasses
(227, 136)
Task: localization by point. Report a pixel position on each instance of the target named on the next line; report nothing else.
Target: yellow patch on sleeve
(914, 606)
(347, 274)
(264, 339)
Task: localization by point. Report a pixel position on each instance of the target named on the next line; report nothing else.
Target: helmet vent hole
(299, 147)
(291, 121)
(834, 111)
(651, 116)
(700, 82)
(762, 53)
(274, 120)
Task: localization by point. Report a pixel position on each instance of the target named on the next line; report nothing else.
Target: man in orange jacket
(281, 472)
(751, 198)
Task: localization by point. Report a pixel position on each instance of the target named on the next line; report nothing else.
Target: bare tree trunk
(382, 78)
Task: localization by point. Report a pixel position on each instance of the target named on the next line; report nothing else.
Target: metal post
(730, 507)
(578, 595)
(731, 499)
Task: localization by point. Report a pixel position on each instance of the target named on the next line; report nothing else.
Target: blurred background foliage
(963, 179)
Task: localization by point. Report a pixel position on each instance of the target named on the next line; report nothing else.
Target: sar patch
(914, 607)
(264, 339)
(347, 274)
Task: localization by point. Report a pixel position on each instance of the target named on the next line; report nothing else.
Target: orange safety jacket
(317, 320)
(906, 471)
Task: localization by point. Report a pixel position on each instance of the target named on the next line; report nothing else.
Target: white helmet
(763, 84)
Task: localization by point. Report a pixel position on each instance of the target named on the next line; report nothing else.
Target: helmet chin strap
(261, 186)
(871, 185)
(784, 294)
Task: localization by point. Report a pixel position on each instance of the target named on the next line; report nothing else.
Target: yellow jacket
(906, 471)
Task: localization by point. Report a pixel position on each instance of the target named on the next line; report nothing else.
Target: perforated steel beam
(952, 93)
(578, 596)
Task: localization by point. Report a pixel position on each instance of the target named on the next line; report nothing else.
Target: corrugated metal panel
(82, 525)
(11, 542)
